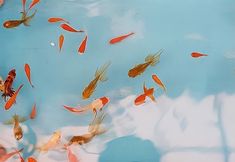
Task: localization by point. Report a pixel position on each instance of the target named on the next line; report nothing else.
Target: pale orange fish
(71, 156)
(197, 54)
(12, 100)
(9, 155)
(32, 159)
(96, 105)
(17, 130)
(99, 76)
(23, 4)
(82, 46)
(33, 112)
(52, 142)
(93, 130)
(147, 93)
(120, 38)
(33, 3)
(57, 19)
(61, 41)
(69, 28)
(21, 158)
(158, 81)
(28, 73)
(150, 60)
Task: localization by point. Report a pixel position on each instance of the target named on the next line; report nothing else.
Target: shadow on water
(130, 149)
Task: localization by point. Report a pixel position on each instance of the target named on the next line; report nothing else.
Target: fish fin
(145, 88)
(9, 122)
(28, 19)
(22, 119)
(154, 59)
(101, 72)
(94, 126)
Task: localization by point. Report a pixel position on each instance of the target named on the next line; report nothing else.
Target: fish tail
(154, 59)
(149, 93)
(94, 127)
(100, 73)
(28, 19)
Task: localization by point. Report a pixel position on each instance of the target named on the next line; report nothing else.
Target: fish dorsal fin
(149, 58)
(9, 122)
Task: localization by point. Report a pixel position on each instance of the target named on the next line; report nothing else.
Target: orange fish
(141, 98)
(61, 41)
(33, 112)
(158, 81)
(150, 60)
(69, 28)
(82, 46)
(33, 3)
(71, 156)
(31, 159)
(197, 54)
(120, 38)
(28, 73)
(96, 105)
(57, 19)
(21, 158)
(12, 100)
(9, 155)
(99, 76)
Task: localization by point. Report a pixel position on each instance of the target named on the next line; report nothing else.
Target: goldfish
(69, 28)
(21, 158)
(24, 20)
(1, 2)
(99, 76)
(147, 93)
(71, 156)
(150, 60)
(12, 100)
(197, 54)
(61, 41)
(96, 105)
(158, 81)
(7, 85)
(1, 84)
(57, 19)
(120, 38)
(28, 73)
(3, 151)
(32, 159)
(82, 46)
(9, 155)
(33, 3)
(93, 130)
(17, 130)
(33, 112)
(52, 142)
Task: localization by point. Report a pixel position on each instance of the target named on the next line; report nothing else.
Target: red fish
(82, 46)
(33, 3)
(197, 54)
(33, 112)
(57, 19)
(9, 155)
(8, 90)
(120, 38)
(141, 98)
(23, 4)
(61, 41)
(12, 100)
(71, 156)
(31, 159)
(96, 105)
(158, 81)
(28, 73)
(69, 28)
